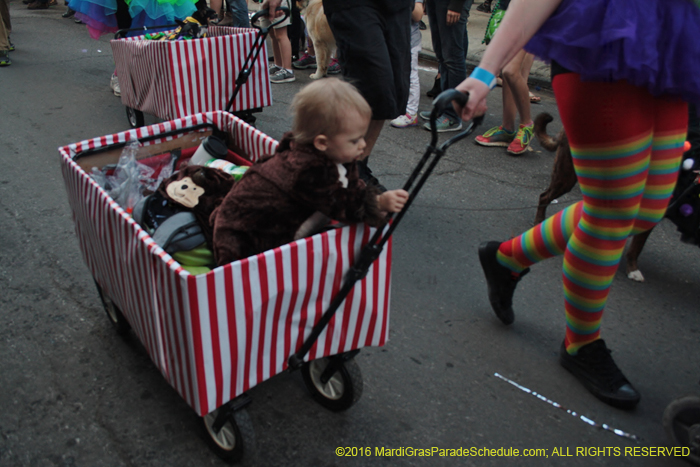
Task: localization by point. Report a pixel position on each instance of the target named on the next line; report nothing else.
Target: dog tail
(546, 141)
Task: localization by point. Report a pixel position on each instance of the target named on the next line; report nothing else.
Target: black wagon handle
(371, 251)
(262, 13)
(257, 46)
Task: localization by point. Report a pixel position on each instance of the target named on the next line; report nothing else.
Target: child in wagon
(311, 179)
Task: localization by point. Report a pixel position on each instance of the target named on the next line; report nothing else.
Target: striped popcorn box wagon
(214, 336)
(174, 79)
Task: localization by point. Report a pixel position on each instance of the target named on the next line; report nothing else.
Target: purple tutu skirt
(650, 43)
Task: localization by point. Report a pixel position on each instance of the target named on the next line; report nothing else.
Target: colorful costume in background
(101, 16)
(279, 194)
(623, 71)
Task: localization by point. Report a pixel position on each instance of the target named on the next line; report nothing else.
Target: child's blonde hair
(320, 108)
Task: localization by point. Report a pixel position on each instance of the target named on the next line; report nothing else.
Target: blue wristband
(484, 76)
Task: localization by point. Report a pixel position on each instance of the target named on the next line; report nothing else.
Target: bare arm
(521, 21)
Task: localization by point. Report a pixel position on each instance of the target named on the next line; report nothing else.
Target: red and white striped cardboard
(214, 336)
(174, 79)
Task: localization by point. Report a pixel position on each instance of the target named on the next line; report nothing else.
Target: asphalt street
(75, 394)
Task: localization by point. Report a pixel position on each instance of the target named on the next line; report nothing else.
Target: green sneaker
(496, 136)
(443, 124)
(5, 58)
(522, 140)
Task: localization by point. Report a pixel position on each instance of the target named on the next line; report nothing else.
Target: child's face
(348, 145)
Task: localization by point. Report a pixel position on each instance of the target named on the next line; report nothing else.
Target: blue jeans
(239, 12)
(450, 45)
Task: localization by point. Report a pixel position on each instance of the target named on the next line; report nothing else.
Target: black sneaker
(365, 174)
(437, 89)
(596, 370)
(500, 280)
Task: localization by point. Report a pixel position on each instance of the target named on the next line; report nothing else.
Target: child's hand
(392, 201)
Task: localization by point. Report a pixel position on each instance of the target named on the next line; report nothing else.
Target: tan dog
(320, 34)
(563, 180)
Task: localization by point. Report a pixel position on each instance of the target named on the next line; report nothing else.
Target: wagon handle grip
(261, 13)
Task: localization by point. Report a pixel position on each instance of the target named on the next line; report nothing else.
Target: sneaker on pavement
(5, 58)
(444, 123)
(522, 140)
(274, 69)
(500, 280)
(114, 84)
(496, 136)
(405, 121)
(12, 46)
(305, 62)
(334, 67)
(38, 6)
(596, 370)
(425, 115)
(282, 76)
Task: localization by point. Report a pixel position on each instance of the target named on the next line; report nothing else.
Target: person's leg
(4, 33)
(5, 18)
(375, 128)
(373, 60)
(451, 39)
(216, 6)
(410, 117)
(239, 12)
(414, 95)
(283, 48)
(611, 127)
(510, 110)
(515, 78)
(670, 127)
(515, 75)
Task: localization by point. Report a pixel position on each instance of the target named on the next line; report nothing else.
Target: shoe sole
(517, 153)
(286, 80)
(306, 67)
(492, 145)
(444, 130)
(404, 126)
(625, 404)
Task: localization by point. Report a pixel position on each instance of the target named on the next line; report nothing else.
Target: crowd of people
(621, 87)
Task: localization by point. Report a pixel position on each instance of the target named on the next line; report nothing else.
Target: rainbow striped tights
(626, 147)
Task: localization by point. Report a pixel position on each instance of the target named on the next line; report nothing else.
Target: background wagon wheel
(113, 312)
(682, 424)
(336, 391)
(135, 117)
(236, 437)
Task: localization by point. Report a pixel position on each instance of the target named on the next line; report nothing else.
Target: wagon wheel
(235, 437)
(334, 382)
(135, 117)
(682, 424)
(113, 312)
